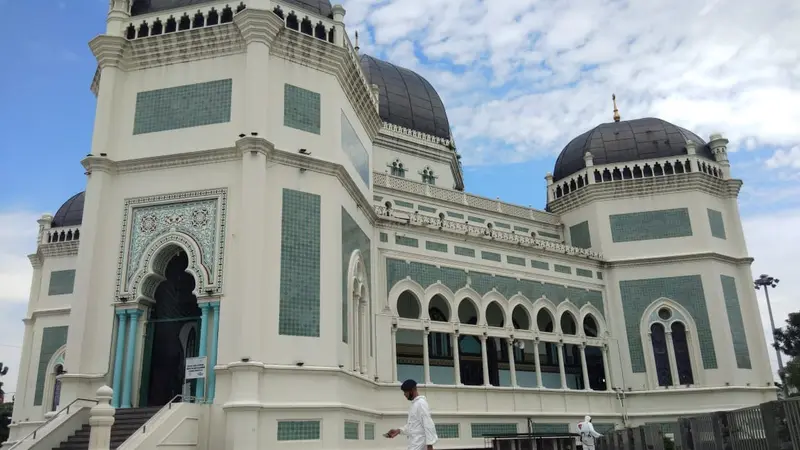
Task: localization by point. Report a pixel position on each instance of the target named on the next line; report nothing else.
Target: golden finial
(616, 111)
(356, 47)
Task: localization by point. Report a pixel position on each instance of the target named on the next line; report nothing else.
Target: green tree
(787, 340)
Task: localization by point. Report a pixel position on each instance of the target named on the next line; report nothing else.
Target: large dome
(628, 140)
(406, 99)
(70, 213)
(320, 7)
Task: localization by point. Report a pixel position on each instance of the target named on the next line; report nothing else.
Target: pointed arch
(444, 292)
(55, 367)
(520, 301)
(567, 309)
(473, 299)
(679, 314)
(401, 286)
(590, 310)
(544, 306)
(154, 260)
(497, 298)
(358, 317)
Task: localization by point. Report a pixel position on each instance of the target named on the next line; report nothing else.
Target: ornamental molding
(259, 26)
(49, 312)
(681, 258)
(56, 249)
(36, 260)
(401, 142)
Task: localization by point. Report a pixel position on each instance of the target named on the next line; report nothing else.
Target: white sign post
(196, 367)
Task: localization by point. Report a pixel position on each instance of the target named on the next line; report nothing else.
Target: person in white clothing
(419, 429)
(588, 435)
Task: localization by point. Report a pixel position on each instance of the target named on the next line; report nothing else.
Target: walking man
(588, 435)
(420, 430)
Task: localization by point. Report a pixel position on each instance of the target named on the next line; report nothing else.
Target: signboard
(196, 368)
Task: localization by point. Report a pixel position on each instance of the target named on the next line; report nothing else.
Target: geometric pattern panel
(716, 223)
(61, 282)
(447, 430)
(687, 291)
(53, 338)
(192, 105)
(354, 149)
(735, 321)
(301, 109)
(579, 235)
(369, 431)
(298, 430)
(649, 225)
(551, 428)
(480, 430)
(299, 305)
(353, 238)
(351, 430)
(428, 274)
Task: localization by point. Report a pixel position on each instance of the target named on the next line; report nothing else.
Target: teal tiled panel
(369, 431)
(515, 260)
(298, 430)
(301, 109)
(61, 282)
(351, 430)
(505, 226)
(427, 209)
(436, 246)
(583, 273)
(300, 264)
(649, 225)
(475, 219)
(353, 238)
(404, 204)
(599, 275)
(551, 428)
(377, 198)
(384, 237)
(735, 321)
(549, 235)
(604, 428)
(464, 251)
(187, 106)
(491, 256)
(716, 223)
(354, 149)
(637, 295)
(480, 430)
(455, 215)
(579, 235)
(53, 338)
(541, 265)
(407, 241)
(447, 430)
(562, 269)
(522, 229)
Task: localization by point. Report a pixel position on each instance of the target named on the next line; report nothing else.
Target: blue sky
(519, 79)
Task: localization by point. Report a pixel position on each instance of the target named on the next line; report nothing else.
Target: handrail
(66, 408)
(168, 406)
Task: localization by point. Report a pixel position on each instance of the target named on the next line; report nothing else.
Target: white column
(394, 353)
(355, 335)
(673, 364)
(364, 333)
(426, 357)
(606, 369)
(537, 362)
(484, 361)
(561, 365)
(101, 419)
(512, 367)
(456, 359)
(584, 368)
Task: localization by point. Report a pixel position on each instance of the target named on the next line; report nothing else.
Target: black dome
(406, 99)
(321, 7)
(629, 140)
(70, 213)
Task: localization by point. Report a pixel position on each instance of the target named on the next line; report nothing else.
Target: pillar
(584, 368)
(101, 419)
(606, 369)
(119, 352)
(426, 357)
(512, 367)
(484, 361)
(212, 354)
(363, 329)
(673, 363)
(394, 353)
(561, 365)
(538, 363)
(200, 393)
(338, 21)
(130, 354)
(456, 359)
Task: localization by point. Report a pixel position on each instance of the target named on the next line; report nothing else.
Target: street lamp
(767, 282)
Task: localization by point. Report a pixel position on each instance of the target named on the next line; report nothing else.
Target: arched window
(438, 343)
(397, 168)
(659, 340)
(672, 350)
(59, 370)
(428, 176)
(683, 359)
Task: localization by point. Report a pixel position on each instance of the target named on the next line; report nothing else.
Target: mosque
(241, 147)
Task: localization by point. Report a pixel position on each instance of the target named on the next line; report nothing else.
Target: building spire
(356, 48)
(616, 111)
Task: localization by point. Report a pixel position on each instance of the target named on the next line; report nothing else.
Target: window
(428, 176)
(397, 169)
(661, 354)
(672, 355)
(61, 282)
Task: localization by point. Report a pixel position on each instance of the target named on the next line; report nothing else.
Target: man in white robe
(588, 435)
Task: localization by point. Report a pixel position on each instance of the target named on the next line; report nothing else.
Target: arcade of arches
(484, 359)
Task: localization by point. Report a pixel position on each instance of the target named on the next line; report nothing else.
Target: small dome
(628, 140)
(70, 213)
(139, 7)
(406, 99)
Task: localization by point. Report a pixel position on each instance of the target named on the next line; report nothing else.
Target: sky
(519, 79)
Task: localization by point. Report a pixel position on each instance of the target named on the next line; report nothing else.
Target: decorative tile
(687, 291)
(472, 219)
(541, 265)
(384, 237)
(455, 215)
(502, 225)
(353, 238)
(735, 321)
(549, 235)
(522, 229)
(404, 204)
(174, 108)
(562, 269)
(480, 430)
(650, 225)
(53, 338)
(299, 430)
(300, 264)
(583, 273)
(464, 251)
(407, 241)
(491, 256)
(377, 198)
(427, 209)
(550, 428)
(301, 109)
(579, 235)
(716, 223)
(369, 431)
(354, 148)
(61, 282)
(351, 430)
(436, 246)
(604, 428)
(447, 430)
(599, 275)
(515, 260)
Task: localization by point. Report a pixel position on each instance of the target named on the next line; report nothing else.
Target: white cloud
(785, 159)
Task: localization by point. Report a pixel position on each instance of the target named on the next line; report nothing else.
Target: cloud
(785, 159)
(520, 78)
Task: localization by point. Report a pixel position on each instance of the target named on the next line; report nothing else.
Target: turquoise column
(133, 326)
(204, 307)
(120, 350)
(212, 358)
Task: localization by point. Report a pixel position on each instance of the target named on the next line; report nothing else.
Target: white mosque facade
(262, 196)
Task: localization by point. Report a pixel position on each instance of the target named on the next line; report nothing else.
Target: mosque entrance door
(172, 336)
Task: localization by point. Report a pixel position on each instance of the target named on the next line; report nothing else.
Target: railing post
(778, 435)
(685, 434)
(722, 434)
(101, 419)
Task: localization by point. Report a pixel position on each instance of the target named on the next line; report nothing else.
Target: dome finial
(356, 48)
(616, 111)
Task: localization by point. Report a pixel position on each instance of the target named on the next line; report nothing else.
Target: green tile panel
(436, 246)
(549, 235)
(464, 251)
(384, 237)
(301, 109)
(502, 225)
(579, 235)
(522, 229)
(480, 430)
(650, 225)
(404, 204)
(541, 265)
(351, 430)
(491, 256)
(61, 282)
(455, 215)
(179, 107)
(407, 241)
(298, 430)
(427, 209)
(583, 273)
(353, 238)
(353, 147)
(455, 278)
(369, 431)
(604, 427)
(687, 291)
(736, 323)
(716, 223)
(550, 428)
(515, 260)
(299, 304)
(53, 338)
(447, 430)
(562, 269)
(475, 219)
(599, 275)
(377, 198)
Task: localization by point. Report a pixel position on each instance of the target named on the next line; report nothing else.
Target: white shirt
(420, 429)
(586, 429)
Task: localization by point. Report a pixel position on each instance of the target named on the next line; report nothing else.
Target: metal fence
(770, 426)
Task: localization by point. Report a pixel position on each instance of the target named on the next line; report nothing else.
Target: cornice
(254, 144)
(56, 249)
(685, 257)
(46, 313)
(97, 164)
(189, 45)
(36, 260)
(109, 50)
(258, 26)
(411, 145)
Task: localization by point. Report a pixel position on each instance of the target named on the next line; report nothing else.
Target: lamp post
(767, 282)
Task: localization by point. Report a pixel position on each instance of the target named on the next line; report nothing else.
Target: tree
(787, 340)
(5, 408)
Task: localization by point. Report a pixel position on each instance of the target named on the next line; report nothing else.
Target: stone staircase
(126, 422)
